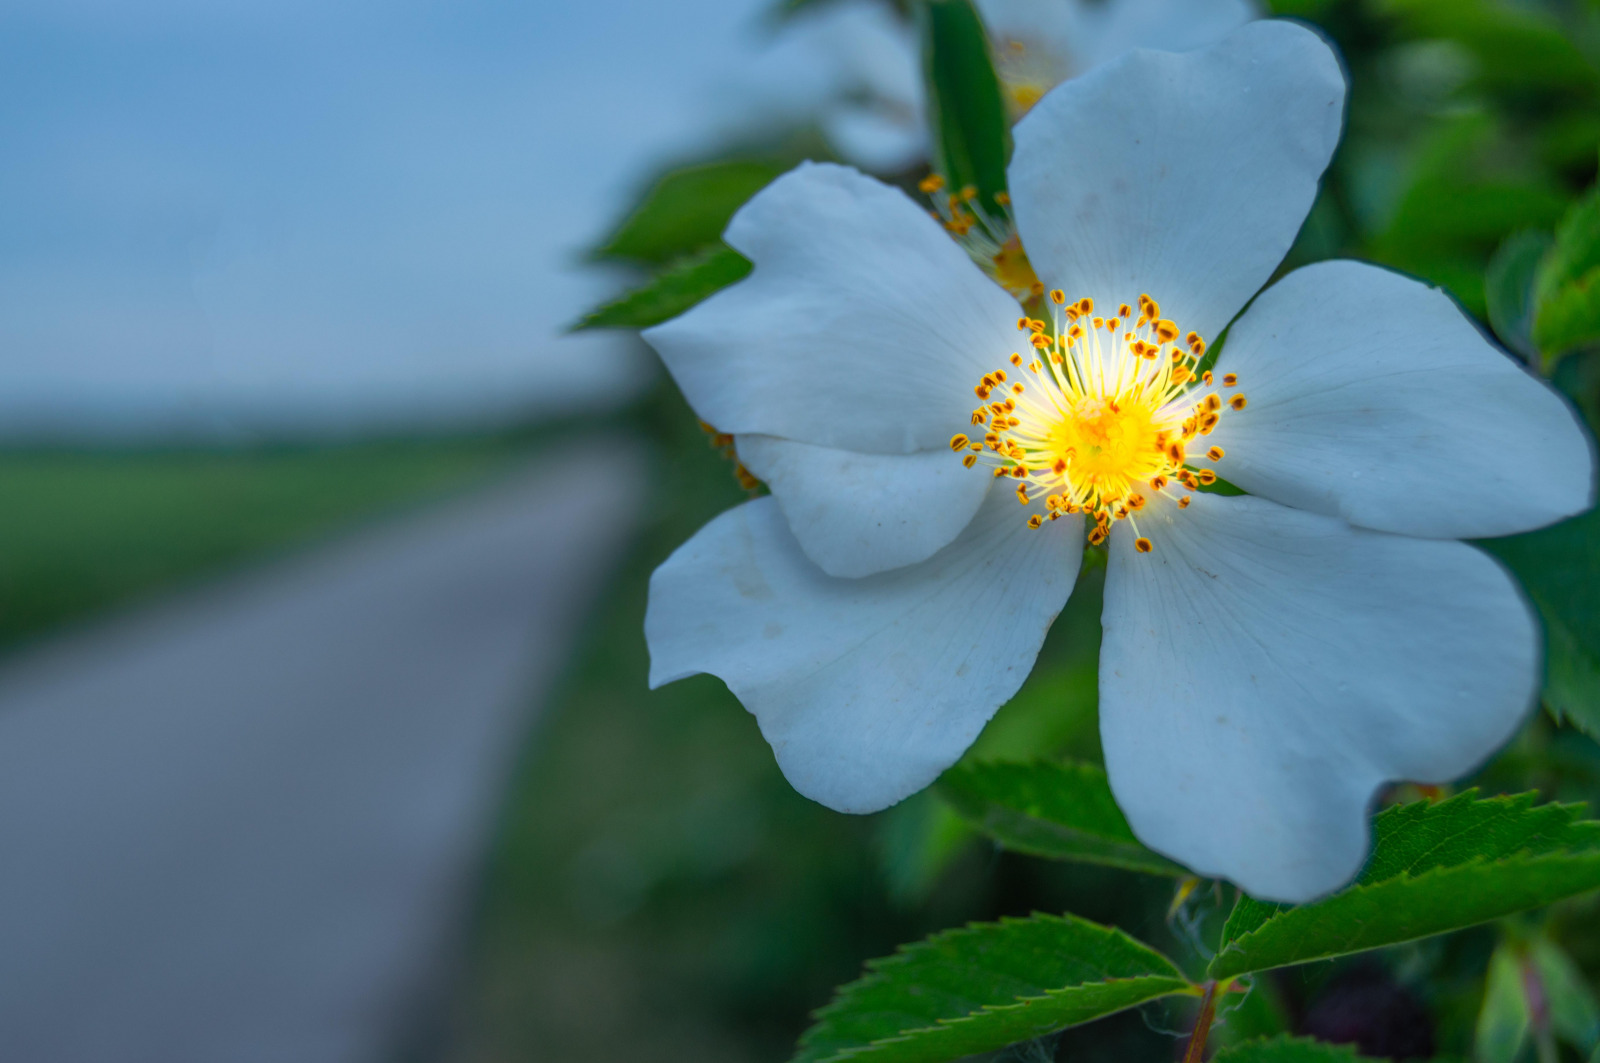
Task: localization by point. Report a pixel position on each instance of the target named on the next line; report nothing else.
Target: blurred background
(323, 542)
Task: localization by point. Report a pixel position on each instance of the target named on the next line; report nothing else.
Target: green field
(84, 532)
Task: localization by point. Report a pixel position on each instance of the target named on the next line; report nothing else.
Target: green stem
(1202, 1026)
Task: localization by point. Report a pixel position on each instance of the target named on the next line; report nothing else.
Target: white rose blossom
(1269, 660)
(875, 117)
(1041, 43)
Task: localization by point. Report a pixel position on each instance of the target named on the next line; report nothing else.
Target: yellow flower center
(1101, 417)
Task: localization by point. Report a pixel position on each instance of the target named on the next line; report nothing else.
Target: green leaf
(918, 840)
(1287, 1050)
(1574, 1012)
(687, 209)
(1502, 1027)
(1567, 287)
(1059, 811)
(1434, 868)
(1515, 46)
(1559, 567)
(971, 134)
(986, 986)
(1508, 287)
(671, 291)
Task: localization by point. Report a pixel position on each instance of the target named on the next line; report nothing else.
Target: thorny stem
(1202, 1025)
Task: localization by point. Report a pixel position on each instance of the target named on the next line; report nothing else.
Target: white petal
(1265, 670)
(863, 326)
(877, 138)
(858, 514)
(867, 689)
(1184, 176)
(1373, 397)
(1102, 31)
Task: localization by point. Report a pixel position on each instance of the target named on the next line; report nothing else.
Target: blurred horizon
(250, 222)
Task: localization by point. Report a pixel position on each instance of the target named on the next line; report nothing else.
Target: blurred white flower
(1268, 661)
(871, 102)
(1041, 43)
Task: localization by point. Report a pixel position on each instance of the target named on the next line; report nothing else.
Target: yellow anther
(970, 460)
(1142, 545)
(1183, 503)
(969, 193)
(1113, 420)
(1034, 521)
(1230, 379)
(1205, 378)
(930, 184)
(1097, 535)
(1216, 453)
(1208, 422)
(1238, 402)
(1206, 476)
(958, 442)
(1003, 198)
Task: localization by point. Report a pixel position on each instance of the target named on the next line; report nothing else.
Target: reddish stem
(1202, 1026)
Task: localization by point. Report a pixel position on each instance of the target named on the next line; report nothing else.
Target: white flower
(1268, 661)
(874, 114)
(1041, 43)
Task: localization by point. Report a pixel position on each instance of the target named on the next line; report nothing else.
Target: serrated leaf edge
(905, 953)
(1238, 944)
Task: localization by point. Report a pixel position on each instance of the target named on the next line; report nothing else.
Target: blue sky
(244, 217)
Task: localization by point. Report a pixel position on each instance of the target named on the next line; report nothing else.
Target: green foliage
(1567, 287)
(1502, 1028)
(687, 209)
(970, 128)
(1513, 45)
(1060, 811)
(986, 986)
(1574, 1014)
(1508, 289)
(1287, 1050)
(670, 292)
(1434, 868)
(1559, 567)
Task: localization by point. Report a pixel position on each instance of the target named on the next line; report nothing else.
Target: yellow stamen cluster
(989, 237)
(1100, 416)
